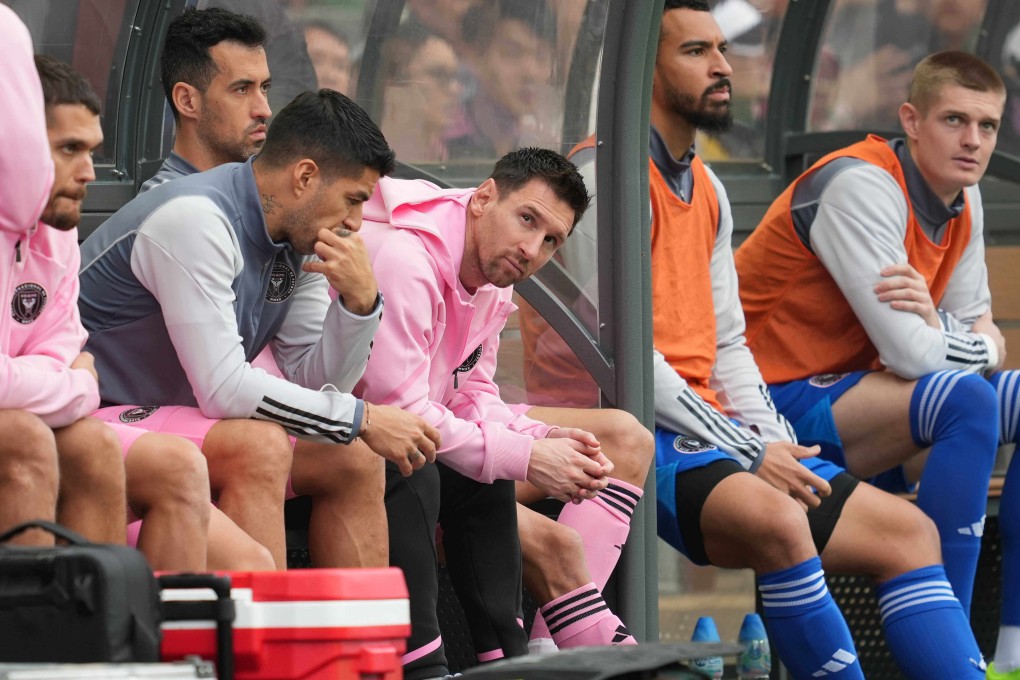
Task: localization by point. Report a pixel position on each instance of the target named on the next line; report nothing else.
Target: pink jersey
(40, 331)
(435, 350)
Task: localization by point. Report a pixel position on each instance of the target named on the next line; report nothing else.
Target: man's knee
(329, 469)
(912, 539)
(971, 397)
(28, 453)
(783, 532)
(773, 534)
(628, 443)
(163, 469)
(248, 453)
(90, 455)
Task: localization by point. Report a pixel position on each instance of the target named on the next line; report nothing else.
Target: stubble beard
(64, 220)
(229, 151)
(497, 276)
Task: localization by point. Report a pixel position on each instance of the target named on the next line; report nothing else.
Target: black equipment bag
(81, 602)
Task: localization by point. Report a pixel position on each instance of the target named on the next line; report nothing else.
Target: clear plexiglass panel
(752, 29)
(870, 47)
(91, 36)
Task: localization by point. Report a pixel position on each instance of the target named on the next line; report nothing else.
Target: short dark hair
(479, 22)
(951, 68)
(696, 5)
(330, 129)
(185, 57)
(61, 84)
(519, 167)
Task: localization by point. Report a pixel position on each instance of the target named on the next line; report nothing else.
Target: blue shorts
(807, 404)
(676, 454)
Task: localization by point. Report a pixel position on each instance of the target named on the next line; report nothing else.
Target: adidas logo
(840, 660)
(621, 634)
(975, 529)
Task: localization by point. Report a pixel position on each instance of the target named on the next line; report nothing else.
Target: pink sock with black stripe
(582, 618)
(603, 524)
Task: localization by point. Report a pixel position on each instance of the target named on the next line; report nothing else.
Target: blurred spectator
(510, 48)
(865, 65)
(442, 17)
(423, 93)
(752, 29)
(1009, 133)
(330, 52)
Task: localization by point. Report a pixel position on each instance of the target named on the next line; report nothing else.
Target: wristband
(366, 421)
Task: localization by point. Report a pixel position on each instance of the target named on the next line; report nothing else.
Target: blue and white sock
(1007, 650)
(926, 629)
(956, 414)
(807, 629)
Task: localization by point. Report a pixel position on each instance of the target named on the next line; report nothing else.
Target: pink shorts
(127, 436)
(183, 421)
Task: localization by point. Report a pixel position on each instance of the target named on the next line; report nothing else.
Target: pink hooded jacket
(435, 351)
(40, 331)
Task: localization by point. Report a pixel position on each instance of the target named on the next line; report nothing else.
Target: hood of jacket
(403, 203)
(26, 167)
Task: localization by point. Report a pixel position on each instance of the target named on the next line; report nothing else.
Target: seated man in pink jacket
(50, 451)
(166, 477)
(446, 261)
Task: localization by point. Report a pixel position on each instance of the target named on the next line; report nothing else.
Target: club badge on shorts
(685, 444)
(133, 415)
(28, 302)
(826, 379)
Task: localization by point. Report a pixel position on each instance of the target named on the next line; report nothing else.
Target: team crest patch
(470, 362)
(826, 379)
(282, 281)
(684, 444)
(133, 415)
(28, 302)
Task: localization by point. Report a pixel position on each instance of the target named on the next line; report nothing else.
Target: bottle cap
(705, 630)
(752, 628)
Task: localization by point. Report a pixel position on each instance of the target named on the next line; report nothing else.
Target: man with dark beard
(734, 488)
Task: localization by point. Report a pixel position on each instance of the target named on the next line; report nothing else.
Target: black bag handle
(221, 610)
(56, 529)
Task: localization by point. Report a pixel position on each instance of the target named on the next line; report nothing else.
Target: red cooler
(307, 624)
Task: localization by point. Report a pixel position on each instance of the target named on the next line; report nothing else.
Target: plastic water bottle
(755, 661)
(705, 631)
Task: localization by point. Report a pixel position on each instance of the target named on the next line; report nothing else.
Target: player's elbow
(909, 366)
(217, 407)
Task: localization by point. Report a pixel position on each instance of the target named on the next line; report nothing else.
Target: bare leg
(749, 524)
(249, 462)
(348, 525)
(92, 497)
(882, 536)
(168, 488)
(873, 421)
(553, 556)
(230, 549)
(28, 474)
